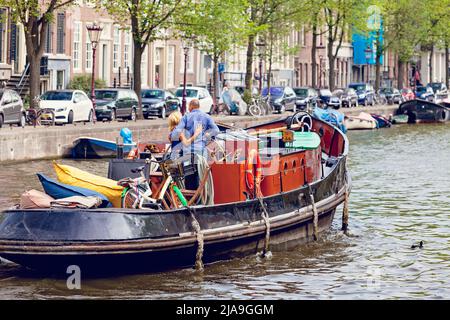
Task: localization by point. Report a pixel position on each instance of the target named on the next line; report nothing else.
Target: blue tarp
(331, 116)
(58, 190)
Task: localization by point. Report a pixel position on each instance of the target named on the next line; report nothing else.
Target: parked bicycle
(35, 116)
(138, 193)
(380, 99)
(260, 106)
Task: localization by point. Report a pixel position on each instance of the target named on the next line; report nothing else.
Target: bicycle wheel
(255, 110)
(130, 200)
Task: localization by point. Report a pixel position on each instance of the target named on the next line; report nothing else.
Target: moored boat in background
(361, 122)
(421, 111)
(382, 122)
(93, 148)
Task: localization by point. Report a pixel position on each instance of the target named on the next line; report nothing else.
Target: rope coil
(265, 216)
(200, 241)
(315, 214)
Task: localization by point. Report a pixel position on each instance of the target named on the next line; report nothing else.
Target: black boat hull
(104, 241)
(421, 111)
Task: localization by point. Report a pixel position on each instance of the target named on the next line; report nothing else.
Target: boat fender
(133, 154)
(250, 176)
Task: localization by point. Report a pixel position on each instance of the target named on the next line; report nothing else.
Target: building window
(126, 53)
(171, 66)
(116, 48)
(60, 34)
(76, 55)
(144, 69)
(48, 43)
(190, 60)
(88, 56)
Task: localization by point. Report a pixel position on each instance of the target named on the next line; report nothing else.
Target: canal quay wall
(52, 142)
(29, 143)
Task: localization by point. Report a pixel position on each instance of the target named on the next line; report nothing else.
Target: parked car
(68, 106)
(392, 95)
(348, 97)
(205, 99)
(158, 102)
(439, 88)
(11, 108)
(112, 104)
(365, 92)
(424, 93)
(407, 94)
(241, 90)
(304, 96)
(326, 98)
(281, 98)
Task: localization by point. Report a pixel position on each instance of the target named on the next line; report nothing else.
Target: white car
(68, 105)
(201, 94)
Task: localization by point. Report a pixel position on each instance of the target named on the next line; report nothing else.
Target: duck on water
(286, 195)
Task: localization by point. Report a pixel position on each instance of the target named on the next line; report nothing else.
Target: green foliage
(215, 25)
(83, 83)
(149, 19)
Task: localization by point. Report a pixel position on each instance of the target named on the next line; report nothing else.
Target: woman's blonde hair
(174, 119)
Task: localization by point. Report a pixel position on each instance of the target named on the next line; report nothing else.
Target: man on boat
(188, 125)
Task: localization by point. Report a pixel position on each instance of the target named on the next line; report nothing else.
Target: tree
(399, 19)
(149, 19)
(259, 14)
(437, 30)
(341, 18)
(35, 16)
(216, 26)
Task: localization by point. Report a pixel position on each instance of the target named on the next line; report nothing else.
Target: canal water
(400, 196)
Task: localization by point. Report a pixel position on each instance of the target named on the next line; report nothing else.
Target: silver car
(11, 108)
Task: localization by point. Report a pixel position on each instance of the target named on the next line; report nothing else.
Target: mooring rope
(200, 241)
(345, 213)
(315, 214)
(265, 216)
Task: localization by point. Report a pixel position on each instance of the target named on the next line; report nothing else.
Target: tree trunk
(331, 61)
(215, 65)
(379, 53)
(137, 61)
(447, 66)
(34, 79)
(269, 71)
(314, 57)
(401, 73)
(249, 64)
(35, 37)
(430, 62)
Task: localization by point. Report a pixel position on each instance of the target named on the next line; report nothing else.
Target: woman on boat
(174, 119)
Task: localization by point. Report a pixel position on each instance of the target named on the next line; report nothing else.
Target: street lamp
(183, 103)
(94, 32)
(368, 54)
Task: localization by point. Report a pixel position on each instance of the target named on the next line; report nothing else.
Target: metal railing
(21, 85)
